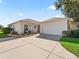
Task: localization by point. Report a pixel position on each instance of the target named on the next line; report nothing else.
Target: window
(26, 27)
(34, 26)
(13, 29)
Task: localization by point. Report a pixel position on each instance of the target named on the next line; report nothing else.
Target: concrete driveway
(33, 48)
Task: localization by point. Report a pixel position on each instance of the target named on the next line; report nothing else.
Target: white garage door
(54, 27)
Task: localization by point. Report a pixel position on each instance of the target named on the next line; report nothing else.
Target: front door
(25, 28)
(38, 29)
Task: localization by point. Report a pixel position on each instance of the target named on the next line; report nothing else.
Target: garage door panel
(54, 27)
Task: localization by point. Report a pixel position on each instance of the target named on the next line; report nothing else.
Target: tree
(70, 8)
(1, 27)
(7, 30)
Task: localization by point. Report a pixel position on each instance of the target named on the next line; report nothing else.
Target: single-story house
(25, 25)
(50, 28)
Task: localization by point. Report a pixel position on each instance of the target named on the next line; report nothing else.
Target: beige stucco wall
(30, 28)
(16, 27)
(19, 27)
(54, 27)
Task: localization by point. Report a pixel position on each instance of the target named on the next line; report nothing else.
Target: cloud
(1, 1)
(20, 14)
(60, 15)
(52, 7)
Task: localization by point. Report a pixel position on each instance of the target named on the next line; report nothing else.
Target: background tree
(1, 27)
(6, 30)
(70, 8)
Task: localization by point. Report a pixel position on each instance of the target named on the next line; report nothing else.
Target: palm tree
(70, 8)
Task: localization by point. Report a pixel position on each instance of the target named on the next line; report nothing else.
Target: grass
(71, 44)
(3, 35)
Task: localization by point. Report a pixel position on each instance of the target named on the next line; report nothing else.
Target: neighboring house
(55, 26)
(26, 25)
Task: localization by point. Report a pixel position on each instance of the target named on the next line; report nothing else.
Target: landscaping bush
(14, 33)
(66, 33)
(6, 30)
(72, 33)
(75, 34)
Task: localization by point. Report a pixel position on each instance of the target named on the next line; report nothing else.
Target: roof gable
(25, 20)
(56, 19)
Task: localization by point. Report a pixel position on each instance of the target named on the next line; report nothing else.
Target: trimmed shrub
(75, 34)
(14, 33)
(66, 33)
(72, 33)
(6, 30)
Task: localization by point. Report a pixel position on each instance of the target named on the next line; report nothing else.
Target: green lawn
(71, 44)
(3, 35)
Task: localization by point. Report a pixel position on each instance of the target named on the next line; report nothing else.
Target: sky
(14, 10)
